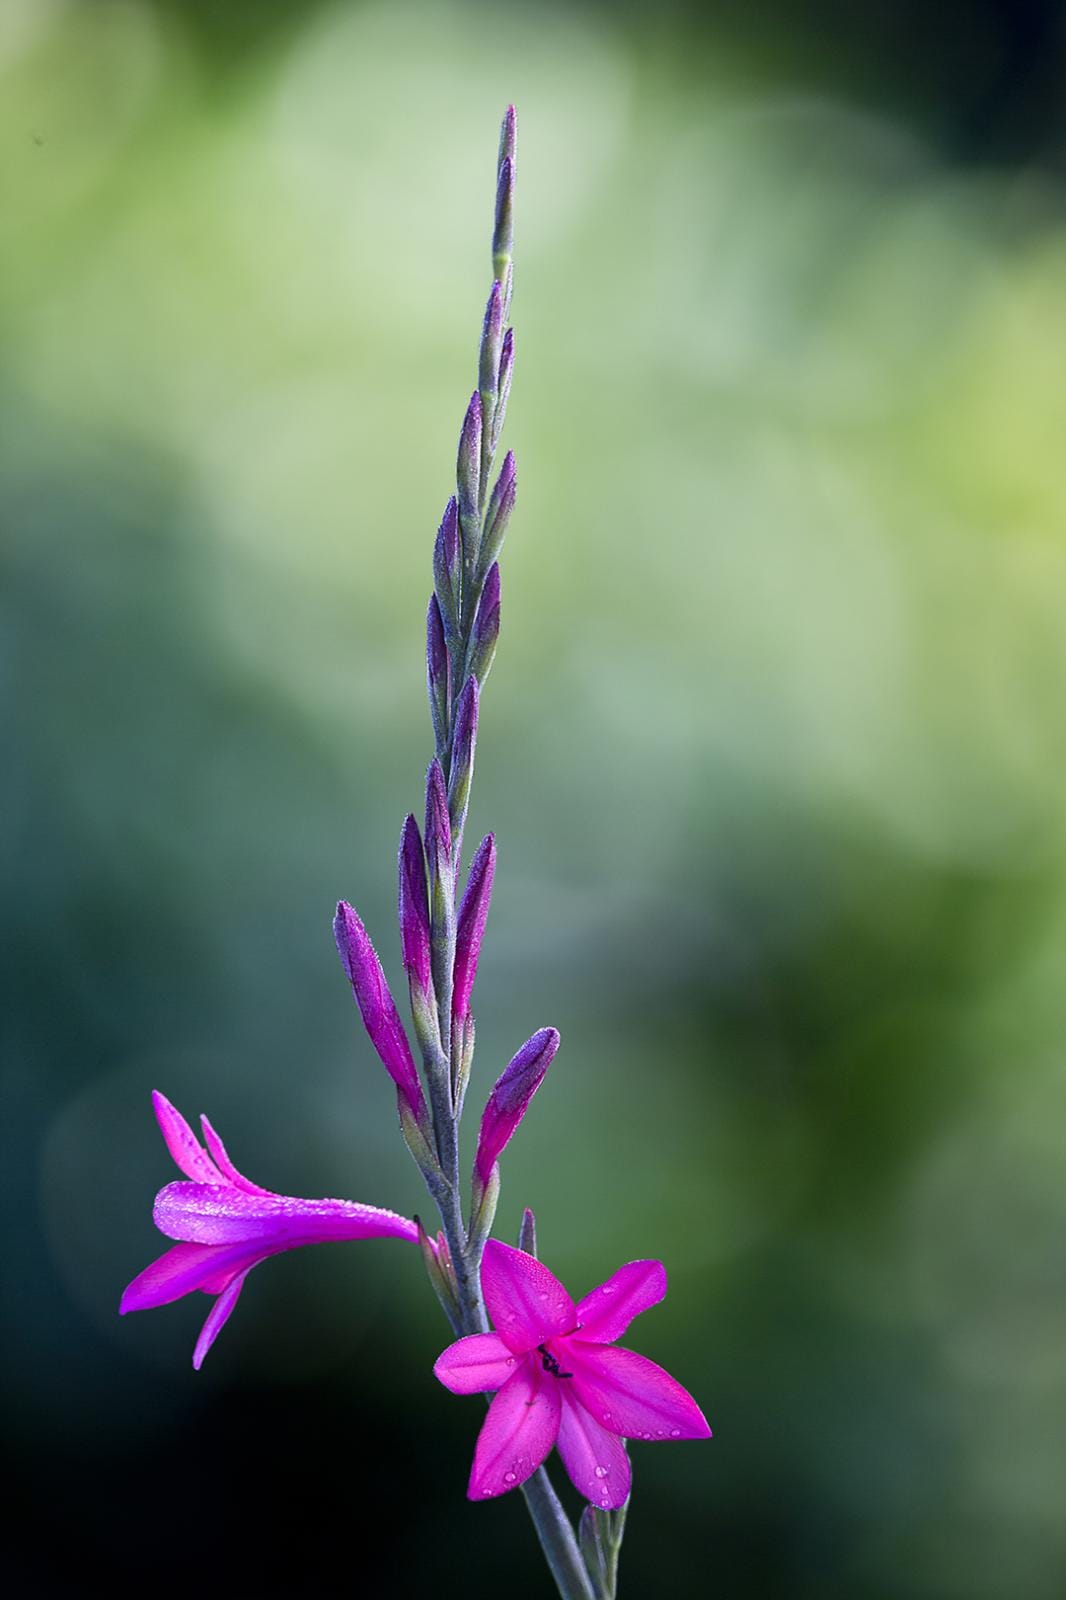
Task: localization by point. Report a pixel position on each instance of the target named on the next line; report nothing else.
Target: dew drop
(601, 1472)
(607, 1288)
(509, 1362)
(606, 1416)
(675, 1433)
(509, 1477)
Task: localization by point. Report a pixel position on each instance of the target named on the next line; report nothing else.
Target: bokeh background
(774, 747)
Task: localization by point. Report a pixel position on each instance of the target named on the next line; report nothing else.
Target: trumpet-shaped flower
(226, 1225)
(560, 1379)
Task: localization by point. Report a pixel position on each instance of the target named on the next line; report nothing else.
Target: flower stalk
(556, 1375)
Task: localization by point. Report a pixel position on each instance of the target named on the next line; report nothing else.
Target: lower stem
(556, 1537)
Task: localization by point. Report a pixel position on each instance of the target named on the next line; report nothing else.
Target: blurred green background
(773, 745)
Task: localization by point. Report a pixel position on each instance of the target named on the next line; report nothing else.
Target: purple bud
(489, 355)
(527, 1233)
(501, 504)
(468, 477)
(378, 1009)
(464, 742)
(438, 673)
(509, 1099)
(414, 907)
(446, 566)
(486, 625)
(470, 925)
(503, 386)
(508, 137)
(438, 831)
(503, 231)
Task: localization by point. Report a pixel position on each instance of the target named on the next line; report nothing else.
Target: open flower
(560, 1378)
(227, 1225)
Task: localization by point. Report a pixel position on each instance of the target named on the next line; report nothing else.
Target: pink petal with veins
(526, 1302)
(183, 1143)
(520, 1429)
(476, 1364)
(217, 1318)
(606, 1313)
(630, 1395)
(594, 1458)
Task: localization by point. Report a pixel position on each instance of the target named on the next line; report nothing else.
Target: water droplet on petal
(601, 1472)
(675, 1433)
(607, 1288)
(509, 1477)
(606, 1416)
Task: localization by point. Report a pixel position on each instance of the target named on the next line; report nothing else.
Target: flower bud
(527, 1233)
(438, 830)
(414, 905)
(464, 742)
(468, 481)
(501, 504)
(503, 386)
(438, 674)
(486, 629)
(508, 1101)
(377, 1007)
(470, 925)
(489, 366)
(446, 569)
(503, 231)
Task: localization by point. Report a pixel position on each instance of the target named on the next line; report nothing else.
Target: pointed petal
(183, 1268)
(526, 1302)
(224, 1164)
(595, 1460)
(219, 1215)
(517, 1434)
(605, 1314)
(630, 1395)
(217, 1318)
(183, 1143)
(476, 1364)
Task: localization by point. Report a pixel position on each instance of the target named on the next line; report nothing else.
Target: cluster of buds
(558, 1378)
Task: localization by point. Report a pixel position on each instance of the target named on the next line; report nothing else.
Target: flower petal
(476, 1364)
(183, 1268)
(224, 1164)
(605, 1314)
(216, 1214)
(520, 1429)
(595, 1460)
(526, 1302)
(183, 1143)
(217, 1318)
(630, 1395)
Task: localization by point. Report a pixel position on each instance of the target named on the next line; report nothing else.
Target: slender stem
(556, 1537)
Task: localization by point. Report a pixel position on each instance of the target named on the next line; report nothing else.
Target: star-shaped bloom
(226, 1225)
(561, 1379)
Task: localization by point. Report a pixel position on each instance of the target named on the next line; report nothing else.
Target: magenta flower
(561, 1379)
(227, 1225)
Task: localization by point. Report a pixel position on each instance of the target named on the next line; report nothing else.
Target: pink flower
(561, 1379)
(227, 1225)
